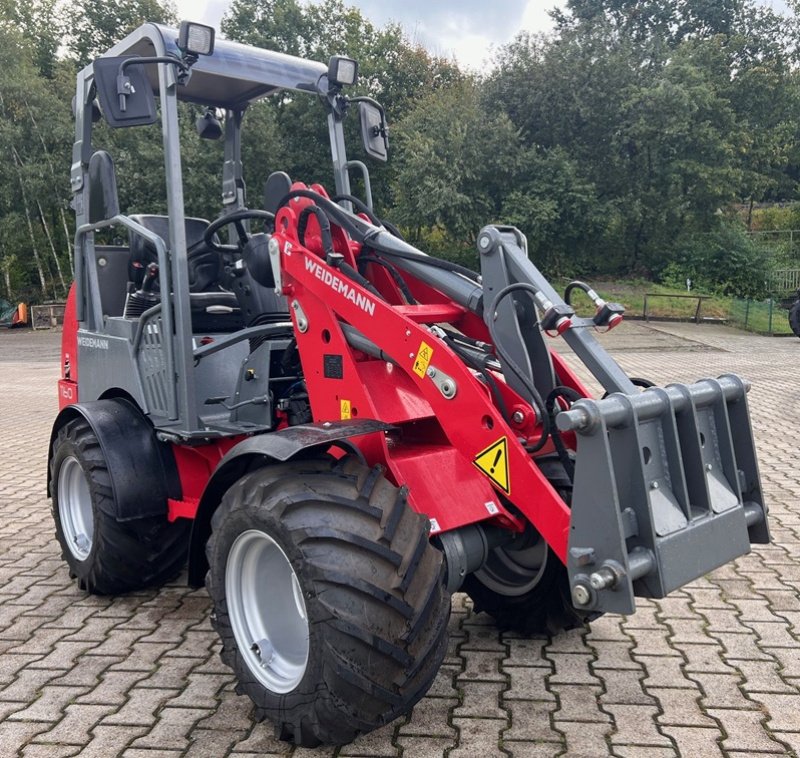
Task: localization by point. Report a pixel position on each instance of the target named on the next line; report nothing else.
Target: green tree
(96, 25)
(455, 164)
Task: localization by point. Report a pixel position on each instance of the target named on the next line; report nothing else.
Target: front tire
(328, 597)
(105, 556)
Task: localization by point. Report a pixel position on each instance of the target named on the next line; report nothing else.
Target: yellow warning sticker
(344, 409)
(424, 355)
(493, 461)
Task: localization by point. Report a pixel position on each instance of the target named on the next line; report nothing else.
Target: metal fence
(761, 316)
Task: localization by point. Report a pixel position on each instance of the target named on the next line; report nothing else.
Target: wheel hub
(75, 508)
(267, 611)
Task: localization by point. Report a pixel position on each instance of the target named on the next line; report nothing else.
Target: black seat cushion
(204, 264)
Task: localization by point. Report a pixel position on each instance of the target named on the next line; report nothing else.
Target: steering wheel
(236, 219)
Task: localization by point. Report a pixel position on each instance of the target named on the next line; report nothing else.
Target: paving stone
(614, 655)
(763, 677)
(171, 731)
(723, 691)
(214, 742)
(431, 717)
(585, 740)
(625, 687)
(113, 688)
(635, 725)
(480, 700)
(745, 731)
(377, 744)
(638, 751)
(663, 672)
(525, 652)
(481, 665)
(680, 708)
(695, 742)
(48, 750)
(783, 711)
(49, 705)
(578, 703)
(477, 736)
(141, 707)
(110, 740)
(422, 747)
(531, 721)
(528, 684)
(571, 669)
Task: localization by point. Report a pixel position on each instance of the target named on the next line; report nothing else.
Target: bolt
(653, 485)
(431, 372)
(408, 332)
(708, 467)
(602, 579)
(518, 417)
(447, 389)
(295, 305)
(581, 594)
(484, 242)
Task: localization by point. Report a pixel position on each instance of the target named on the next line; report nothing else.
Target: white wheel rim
(75, 508)
(267, 611)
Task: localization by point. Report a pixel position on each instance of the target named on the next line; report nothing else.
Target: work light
(342, 71)
(195, 39)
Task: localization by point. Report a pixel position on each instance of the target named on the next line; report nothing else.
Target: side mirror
(135, 105)
(374, 132)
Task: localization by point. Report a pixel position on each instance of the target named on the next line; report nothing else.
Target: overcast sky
(466, 29)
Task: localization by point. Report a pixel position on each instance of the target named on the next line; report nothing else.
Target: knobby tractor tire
(794, 318)
(526, 590)
(327, 564)
(105, 556)
(530, 604)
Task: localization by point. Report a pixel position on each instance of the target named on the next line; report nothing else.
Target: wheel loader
(339, 431)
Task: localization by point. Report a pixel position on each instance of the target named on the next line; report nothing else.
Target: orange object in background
(20, 317)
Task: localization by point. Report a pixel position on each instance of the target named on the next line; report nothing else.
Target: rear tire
(328, 597)
(794, 318)
(526, 589)
(105, 556)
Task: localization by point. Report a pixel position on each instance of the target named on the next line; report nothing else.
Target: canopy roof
(233, 76)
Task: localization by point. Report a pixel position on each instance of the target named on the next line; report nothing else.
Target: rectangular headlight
(196, 39)
(343, 71)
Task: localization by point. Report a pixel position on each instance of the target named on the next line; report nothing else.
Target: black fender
(142, 469)
(258, 451)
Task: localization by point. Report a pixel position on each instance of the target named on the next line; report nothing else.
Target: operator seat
(205, 268)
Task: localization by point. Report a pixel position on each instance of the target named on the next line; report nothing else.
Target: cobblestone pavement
(712, 670)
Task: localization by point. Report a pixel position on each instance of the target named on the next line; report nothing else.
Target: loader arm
(665, 485)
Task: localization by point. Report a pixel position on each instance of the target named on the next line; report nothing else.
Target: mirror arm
(124, 82)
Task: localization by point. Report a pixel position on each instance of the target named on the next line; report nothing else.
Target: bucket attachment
(666, 489)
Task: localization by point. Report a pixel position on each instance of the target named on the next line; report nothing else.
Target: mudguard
(263, 450)
(142, 469)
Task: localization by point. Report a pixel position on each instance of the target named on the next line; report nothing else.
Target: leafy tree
(455, 163)
(96, 25)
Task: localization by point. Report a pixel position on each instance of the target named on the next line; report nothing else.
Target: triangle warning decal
(493, 461)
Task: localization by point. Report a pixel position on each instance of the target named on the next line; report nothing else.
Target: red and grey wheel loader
(338, 430)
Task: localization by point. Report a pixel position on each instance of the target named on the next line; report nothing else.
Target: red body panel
(68, 384)
(195, 466)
